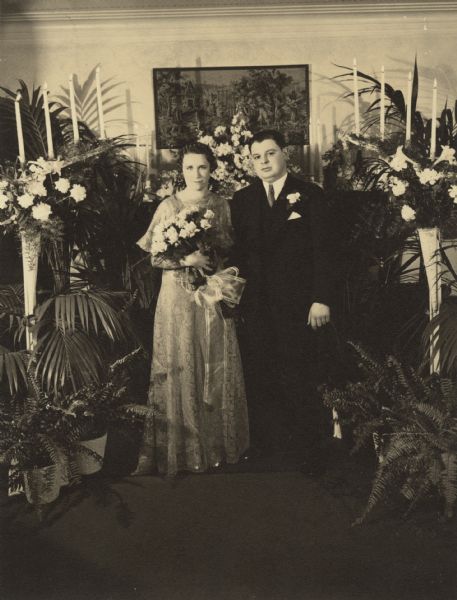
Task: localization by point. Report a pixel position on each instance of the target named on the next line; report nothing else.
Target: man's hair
(268, 134)
(199, 148)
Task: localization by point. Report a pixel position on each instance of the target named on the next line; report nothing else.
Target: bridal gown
(199, 415)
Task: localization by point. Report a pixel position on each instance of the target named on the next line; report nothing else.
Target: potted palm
(100, 406)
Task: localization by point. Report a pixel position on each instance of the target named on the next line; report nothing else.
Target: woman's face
(196, 171)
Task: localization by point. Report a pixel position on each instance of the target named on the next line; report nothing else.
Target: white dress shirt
(277, 185)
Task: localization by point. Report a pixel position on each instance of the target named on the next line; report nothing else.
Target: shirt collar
(277, 185)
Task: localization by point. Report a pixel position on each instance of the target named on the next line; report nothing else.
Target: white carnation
(25, 200)
(78, 192)
(36, 188)
(397, 186)
(62, 185)
(41, 211)
(408, 213)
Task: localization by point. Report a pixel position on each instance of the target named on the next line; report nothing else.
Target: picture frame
(193, 99)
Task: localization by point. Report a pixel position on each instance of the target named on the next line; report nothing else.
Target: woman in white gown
(197, 396)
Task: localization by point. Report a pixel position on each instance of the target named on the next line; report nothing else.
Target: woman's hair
(198, 148)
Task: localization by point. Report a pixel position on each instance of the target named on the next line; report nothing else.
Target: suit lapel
(280, 212)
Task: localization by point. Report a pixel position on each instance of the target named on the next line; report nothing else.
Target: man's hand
(319, 314)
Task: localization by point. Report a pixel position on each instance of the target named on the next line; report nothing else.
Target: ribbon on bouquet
(224, 286)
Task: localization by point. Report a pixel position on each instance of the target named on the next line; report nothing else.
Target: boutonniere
(294, 199)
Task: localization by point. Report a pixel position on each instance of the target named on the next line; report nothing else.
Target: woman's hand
(197, 260)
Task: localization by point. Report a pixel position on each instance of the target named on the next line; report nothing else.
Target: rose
(25, 200)
(408, 213)
(41, 211)
(62, 185)
(78, 192)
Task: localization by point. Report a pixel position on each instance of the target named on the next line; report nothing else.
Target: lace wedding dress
(197, 396)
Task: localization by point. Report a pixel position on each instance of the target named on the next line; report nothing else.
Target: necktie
(271, 195)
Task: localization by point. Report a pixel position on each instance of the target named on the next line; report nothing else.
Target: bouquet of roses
(191, 229)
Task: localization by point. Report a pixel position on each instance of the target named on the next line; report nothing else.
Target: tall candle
(137, 143)
(409, 97)
(74, 118)
(356, 99)
(319, 150)
(101, 118)
(382, 105)
(433, 132)
(311, 150)
(47, 120)
(20, 136)
(147, 159)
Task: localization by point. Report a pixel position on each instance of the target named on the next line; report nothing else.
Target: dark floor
(261, 532)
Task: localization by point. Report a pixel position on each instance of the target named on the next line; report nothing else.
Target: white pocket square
(293, 215)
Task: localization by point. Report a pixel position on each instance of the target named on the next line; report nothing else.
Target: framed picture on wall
(188, 100)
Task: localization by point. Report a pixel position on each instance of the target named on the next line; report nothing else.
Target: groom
(282, 248)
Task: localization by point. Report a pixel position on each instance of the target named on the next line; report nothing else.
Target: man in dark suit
(282, 248)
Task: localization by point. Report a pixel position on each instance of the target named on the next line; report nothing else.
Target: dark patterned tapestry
(190, 100)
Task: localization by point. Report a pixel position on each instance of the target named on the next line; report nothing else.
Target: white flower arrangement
(29, 199)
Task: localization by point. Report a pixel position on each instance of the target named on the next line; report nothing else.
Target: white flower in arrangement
(453, 192)
(447, 154)
(246, 134)
(25, 200)
(205, 224)
(428, 176)
(223, 149)
(208, 214)
(62, 185)
(208, 140)
(171, 235)
(397, 186)
(408, 213)
(3, 201)
(236, 139)
(189, 230)
(293, 198)
(220, 130)
(245, 151)
(399, 160)
(3, 184)
(36, 188)
(158, 246)
(78, 192)
(41, 211)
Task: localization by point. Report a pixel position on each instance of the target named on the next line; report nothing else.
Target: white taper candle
(382, 105)
(356, 99)
(74, 118)
(433, 131)
(20, 136)
(47, 120)
(101, 118)
(409, 97)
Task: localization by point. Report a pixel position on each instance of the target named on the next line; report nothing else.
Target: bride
(197, 396)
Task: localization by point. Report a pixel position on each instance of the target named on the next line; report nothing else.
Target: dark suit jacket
(287, 262)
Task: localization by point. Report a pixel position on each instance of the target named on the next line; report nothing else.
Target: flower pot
(42, 484)
(86, 463)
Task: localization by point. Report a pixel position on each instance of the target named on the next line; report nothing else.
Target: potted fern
(100, 406)
(414, 420)
(36, 437)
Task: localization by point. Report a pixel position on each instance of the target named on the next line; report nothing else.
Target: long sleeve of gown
(165, 210)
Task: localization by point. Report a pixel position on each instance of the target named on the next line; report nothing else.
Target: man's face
(269, 160)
